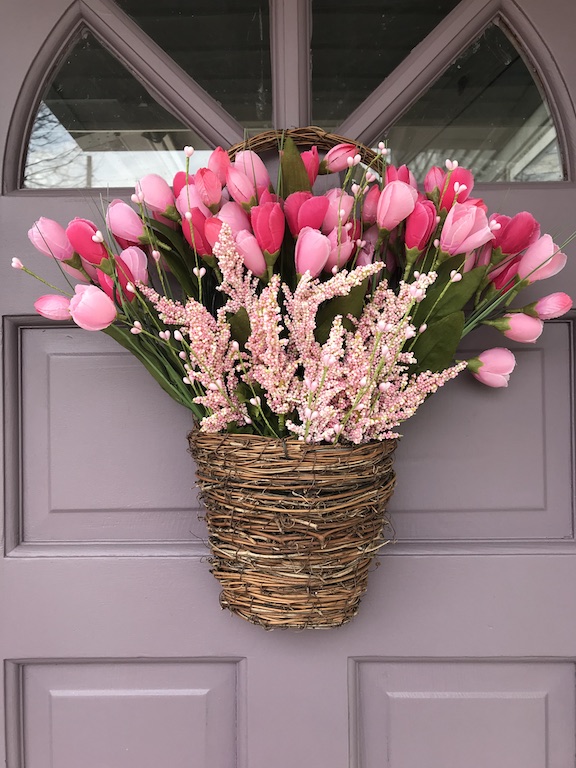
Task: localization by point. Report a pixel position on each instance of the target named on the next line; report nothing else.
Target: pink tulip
(312, 251)
(212, 227)
(193, 230)
(516, 233)
(465, 181)
(341, 248)
(403, 173)
(420, 224)
(123, 277)
(241, 188)
(179, 182)
(137, 262)
(311, 163)
(219, 162)
(504, 276)
(397, 201)
(235, 216)
(91, 309)
(80, 233)
(434, 180)
(340, 206)
(519, 327)
(541, 260)
(158, 196)
(209, 188)
(465, 229)
(265, 196)
(336, 159)
(253, 166)
(268, 223)
(189, 198)
(370, 204)
(366, 252)
(553, 305)
(124, 223)
(302, 209)
(493, 367)
(251, 253)
(50, 238)
(53, 306)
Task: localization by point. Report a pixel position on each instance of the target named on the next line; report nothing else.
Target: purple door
(116, 653)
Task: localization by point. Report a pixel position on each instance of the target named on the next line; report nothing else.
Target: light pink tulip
(465, 229)
(49, 237)
(541, 260)
(137, 262)
(336, 159)
(219, 162)
(253, 166)
(91, 309)
(189, 198)
(341, 248)
(80, 233)
(366, 252)
(434, 180)
(553, 305)
(311, 163)
(302, 209)
(312, 251)
(124, 223)
(53, 306)
(209, 188)
(268, 223)
(251, 253)
(397, 201)
(242, 189)
(370, 204)
(340, 207)
(235, 216)
(493, 367)
(158, 195)
(520, 327)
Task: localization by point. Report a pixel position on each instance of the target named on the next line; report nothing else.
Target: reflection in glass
(97, 126)
(224, 45)
(356, 46)
(487, 112)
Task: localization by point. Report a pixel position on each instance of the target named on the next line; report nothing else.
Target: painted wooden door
(116, 653)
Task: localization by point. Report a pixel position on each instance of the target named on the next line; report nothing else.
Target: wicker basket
(293, 528)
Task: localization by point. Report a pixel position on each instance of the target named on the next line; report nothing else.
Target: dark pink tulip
(341, 248)
(137, 262)
(219, 162)
(212, 227)
(448, 196)
(420, 224)
(478, 202)
(370, 204)
(434, 180)
(311, 163)
(493, 367)
(80, 233)
(403, 173)
(265, 196)
(209, 188)
(268, 223)
(541, 260)
(504, 275)
(336, 159)
(553, 305)
(465, 229)
(516, 233)
(241, 188)
(91, 309)
(189, 198)
(312, 251)
(193, 230)
(235, 216)
(50, 238)
(53, 306)
(179, 182)
(397, 201)
(302, 209)
(124, 223)
(251, 253)
(158, 195)
(123, 275)
(340, 207)
(253, 167)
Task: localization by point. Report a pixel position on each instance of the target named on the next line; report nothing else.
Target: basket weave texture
(293, 528)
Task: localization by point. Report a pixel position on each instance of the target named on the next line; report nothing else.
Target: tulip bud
(91, 309)
(312, 251)
(50, 238)
(53, 306)
(397, 201)
(518, 327)
(493, 367)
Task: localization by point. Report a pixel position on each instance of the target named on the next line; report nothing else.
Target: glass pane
(224, 45)
(97, 126)
(357, 45)
(487, 112)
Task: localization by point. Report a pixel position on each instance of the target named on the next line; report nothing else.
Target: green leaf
(435, 348)
(352, 304)
(240, 326)
(294, 175)
(456, 295)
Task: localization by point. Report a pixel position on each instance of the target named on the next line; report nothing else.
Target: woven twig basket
(293, 528)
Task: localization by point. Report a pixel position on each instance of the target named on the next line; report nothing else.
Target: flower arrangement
(273, 310)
